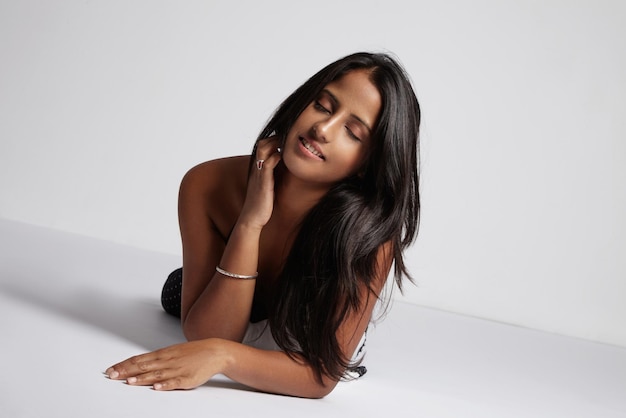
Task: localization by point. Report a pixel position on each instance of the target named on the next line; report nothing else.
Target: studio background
(104, 105)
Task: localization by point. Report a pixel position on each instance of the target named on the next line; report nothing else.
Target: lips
(312, 148)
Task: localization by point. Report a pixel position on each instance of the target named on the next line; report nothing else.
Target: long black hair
(335, 251)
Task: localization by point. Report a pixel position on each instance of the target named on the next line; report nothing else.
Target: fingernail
(157, 386)
(131, 380)
(113, 374)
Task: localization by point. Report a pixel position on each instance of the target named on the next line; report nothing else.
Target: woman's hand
(181, 366)
(259, 203)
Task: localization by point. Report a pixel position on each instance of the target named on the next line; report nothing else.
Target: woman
(297, 240)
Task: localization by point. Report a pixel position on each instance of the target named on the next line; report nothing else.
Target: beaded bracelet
(235, 276)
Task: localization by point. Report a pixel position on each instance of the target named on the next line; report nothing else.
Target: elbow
(189, 330)
(194, 330)
(321, 389)
(191, 334)
(321, 393)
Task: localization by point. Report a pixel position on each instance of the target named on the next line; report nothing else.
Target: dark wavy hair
(337, 245)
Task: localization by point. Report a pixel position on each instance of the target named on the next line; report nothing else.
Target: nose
(323, 130)
(318, 133)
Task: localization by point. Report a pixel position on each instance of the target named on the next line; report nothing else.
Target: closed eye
(320, 107)
(352, 135)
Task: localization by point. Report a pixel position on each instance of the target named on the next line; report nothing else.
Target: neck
(294, 198)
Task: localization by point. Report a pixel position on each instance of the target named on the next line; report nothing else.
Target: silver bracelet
(235, 276)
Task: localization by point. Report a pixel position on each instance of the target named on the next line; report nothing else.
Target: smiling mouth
(311, 149)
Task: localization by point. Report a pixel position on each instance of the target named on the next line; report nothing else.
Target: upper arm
(203, 244)
(353, 327)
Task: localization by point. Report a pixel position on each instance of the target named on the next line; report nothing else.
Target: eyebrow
(334, 99)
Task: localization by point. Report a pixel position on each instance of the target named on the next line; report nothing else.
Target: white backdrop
(105, 104)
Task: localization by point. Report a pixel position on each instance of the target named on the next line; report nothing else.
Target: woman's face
(330, 139)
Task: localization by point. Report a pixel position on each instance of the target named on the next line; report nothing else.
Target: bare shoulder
(216, 189)
(218, 174)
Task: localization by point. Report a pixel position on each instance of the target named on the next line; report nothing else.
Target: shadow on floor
(140, 321)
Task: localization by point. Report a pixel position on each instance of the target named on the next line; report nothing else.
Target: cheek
(353, 161)
(290, 142)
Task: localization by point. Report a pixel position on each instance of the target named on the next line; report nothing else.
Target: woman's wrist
(240, 257)
(247, 227)
(223, 352)
(229, 352)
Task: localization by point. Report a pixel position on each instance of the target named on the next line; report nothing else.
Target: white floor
(70, 306)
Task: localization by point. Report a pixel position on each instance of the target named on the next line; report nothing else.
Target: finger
(164, 380)
(268, 162)
(266, 147)
(132, 366)
(151, 378)
(266, 166)
(272, 161)
(171, 384)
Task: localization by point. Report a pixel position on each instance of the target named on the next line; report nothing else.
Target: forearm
(189, 365)
(273, 372)
(223, 307)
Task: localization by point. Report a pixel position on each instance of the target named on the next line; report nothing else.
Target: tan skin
(248, 225)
